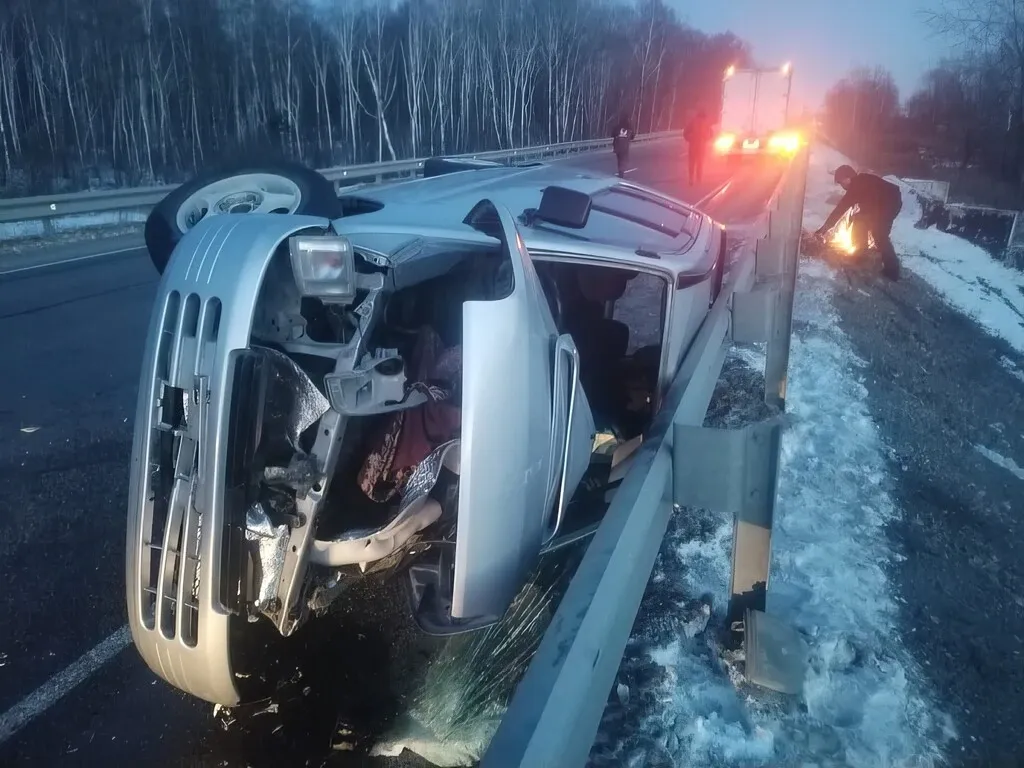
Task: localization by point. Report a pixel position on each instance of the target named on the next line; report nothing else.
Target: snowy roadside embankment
(965, 275)
(864, 701)
(30, 236)
(58, 225)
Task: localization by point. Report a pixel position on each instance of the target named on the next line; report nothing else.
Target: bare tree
(104, 92)
(379, 64)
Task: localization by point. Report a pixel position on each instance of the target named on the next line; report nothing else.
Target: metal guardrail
(51, 206)
(555, 713)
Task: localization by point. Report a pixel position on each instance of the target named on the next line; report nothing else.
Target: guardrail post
(774, 654)
(733, 471)
(788, 220)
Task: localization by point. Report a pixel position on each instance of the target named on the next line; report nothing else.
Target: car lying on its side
(438, 380)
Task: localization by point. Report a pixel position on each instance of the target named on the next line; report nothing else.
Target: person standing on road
(879, 202)
(698, 135)
(621, 137)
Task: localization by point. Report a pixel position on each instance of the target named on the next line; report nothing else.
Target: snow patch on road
(1011, 366)
(964, 274)
(20, 230)
(1001, 461)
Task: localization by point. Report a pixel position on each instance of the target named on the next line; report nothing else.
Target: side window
(645, 211)
(642, 308)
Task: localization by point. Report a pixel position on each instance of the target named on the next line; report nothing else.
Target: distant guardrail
(47, 207)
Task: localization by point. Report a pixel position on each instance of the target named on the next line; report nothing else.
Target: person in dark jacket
(698, 134)
(879, 202)
(621, 137)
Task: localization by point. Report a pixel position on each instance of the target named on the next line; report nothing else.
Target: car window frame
(664, 375)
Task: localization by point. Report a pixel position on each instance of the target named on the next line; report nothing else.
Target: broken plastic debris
(622, 691)
(29, 430)
(272, 542)
(697, 619)
(270, 709)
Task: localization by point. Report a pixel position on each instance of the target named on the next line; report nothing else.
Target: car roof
(442, 202)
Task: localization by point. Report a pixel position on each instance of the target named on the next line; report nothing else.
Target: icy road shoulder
(865, 702)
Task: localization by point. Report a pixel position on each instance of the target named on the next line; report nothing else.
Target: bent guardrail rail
(555, 712)
(138, 198)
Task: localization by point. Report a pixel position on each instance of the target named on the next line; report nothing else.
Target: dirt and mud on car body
(440, 379)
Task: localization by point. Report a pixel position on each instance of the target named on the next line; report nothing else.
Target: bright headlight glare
(324, 266)
(785, 142)
(724, 142)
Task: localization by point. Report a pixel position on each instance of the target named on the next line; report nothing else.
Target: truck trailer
(755, 113)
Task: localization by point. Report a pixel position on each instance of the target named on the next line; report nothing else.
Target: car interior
(619, 349)
(615, 317)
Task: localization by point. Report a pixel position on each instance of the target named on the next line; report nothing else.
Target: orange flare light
(842, 235)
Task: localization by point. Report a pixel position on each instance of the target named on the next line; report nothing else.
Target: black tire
(162, 233)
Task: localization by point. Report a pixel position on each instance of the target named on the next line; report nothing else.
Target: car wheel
(287, 188)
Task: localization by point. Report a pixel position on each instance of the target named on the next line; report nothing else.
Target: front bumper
(186, 560)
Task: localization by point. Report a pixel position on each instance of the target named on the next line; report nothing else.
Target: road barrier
(554, 715)
(47, 207)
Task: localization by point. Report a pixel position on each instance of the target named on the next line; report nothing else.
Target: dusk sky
(826, 38)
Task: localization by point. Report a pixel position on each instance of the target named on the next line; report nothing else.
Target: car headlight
(324, 267)
(724, 142)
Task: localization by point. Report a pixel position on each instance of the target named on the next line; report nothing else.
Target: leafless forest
(143, 91)
(965, 123)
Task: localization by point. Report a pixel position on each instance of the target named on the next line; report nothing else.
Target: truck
(755, 113)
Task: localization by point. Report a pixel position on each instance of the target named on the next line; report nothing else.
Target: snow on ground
(863, 703)
(33, 228)
(963, 273)
(1001, 461)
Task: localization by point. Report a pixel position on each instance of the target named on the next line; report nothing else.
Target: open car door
(527, 434)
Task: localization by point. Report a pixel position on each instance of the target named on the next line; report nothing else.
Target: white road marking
(54, 689)
(712, 194)
(71, 261)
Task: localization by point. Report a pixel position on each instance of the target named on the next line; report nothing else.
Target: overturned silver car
(438, 380)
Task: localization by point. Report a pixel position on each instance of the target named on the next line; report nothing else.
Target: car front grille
(171, 523)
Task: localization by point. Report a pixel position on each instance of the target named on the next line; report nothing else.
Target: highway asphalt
(72, 689)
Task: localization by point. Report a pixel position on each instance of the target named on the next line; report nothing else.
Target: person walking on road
(698, 135)
(879, 202)
(621, 137)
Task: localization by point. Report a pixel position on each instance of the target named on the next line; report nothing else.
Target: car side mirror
(564, 207)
